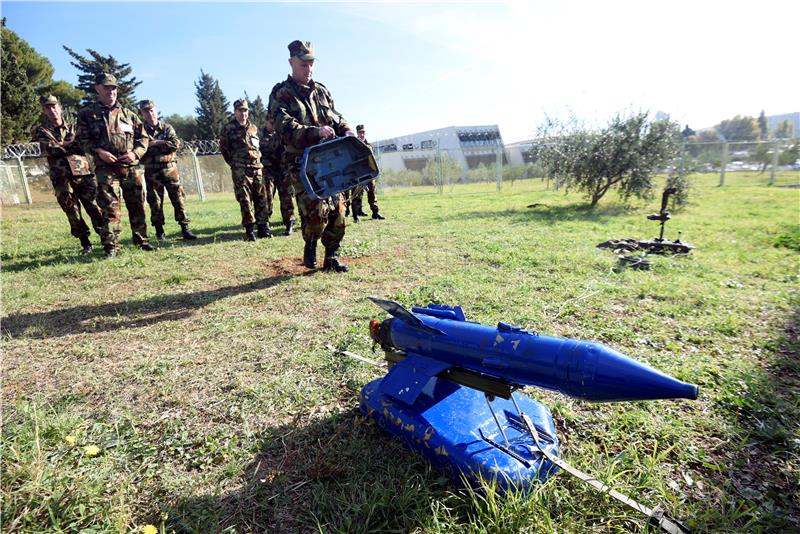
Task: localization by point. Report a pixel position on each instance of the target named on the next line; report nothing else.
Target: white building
(470, 146)
(793, 118)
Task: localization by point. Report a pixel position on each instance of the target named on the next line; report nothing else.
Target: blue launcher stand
(453, 426)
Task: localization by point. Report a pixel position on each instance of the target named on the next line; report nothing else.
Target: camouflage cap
(360, 128)
(48, 100)
(145, 104)
(105, 78)
(243, 103)
(301, 49)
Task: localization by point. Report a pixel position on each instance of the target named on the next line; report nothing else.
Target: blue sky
(405, 67)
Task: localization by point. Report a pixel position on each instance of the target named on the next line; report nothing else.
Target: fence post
(498, 172)
(774, 164)
(198, 178)
(723, 163)
(25, 185)
(378, 180)
(439, 173)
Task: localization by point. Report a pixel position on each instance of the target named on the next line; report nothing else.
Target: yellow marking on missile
(409, 428)
(515, 344)
(499, 339)
(440, 451)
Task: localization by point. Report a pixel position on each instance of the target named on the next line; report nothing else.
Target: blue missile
(439, 338)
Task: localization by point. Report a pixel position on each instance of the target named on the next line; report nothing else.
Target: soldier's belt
(158, 165)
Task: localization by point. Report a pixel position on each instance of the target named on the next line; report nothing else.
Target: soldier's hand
(326, 132)
(106, 156)
(127, 157)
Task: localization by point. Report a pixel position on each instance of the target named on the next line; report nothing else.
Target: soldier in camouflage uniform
(357, 196)
(239, 146)
(161, 171)
(115, 137)
(72, 179)
(272, 159)
(304, 115)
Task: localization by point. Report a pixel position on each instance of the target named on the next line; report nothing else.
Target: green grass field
(191, 388)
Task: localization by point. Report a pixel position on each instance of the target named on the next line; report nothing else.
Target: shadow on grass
(91, 318)
(548, 215)
(337, 474)
(764, 411)
(58, 256)
(71, 254)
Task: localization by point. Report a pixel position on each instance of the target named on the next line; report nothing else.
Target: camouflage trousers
(320, 219)
(357, 197)
(131, 181)
(285, 189)
(160, 177)
(71, 192)
(248, 185)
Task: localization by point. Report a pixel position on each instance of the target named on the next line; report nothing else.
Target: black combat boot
(361, 212)
(332, 262)
(86, 244)
(263, 230)
(376, 215)
(186, 233)
(288, 227)
(310, 254)
(160, 235)
(249, 235)
(147, 247)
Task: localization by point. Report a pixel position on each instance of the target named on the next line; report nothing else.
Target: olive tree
(624, 155)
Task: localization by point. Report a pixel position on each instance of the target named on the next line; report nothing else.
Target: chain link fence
(24, 175)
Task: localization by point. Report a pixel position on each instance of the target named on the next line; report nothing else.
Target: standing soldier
(357, 196)
(115, 137)
(72, 179)
(239, 146)
(161, 171)
(272, 159)
(304, 115)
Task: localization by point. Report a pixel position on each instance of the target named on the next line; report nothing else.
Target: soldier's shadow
(91, 318)
(546, 214)
(69, 254)
(335, 474)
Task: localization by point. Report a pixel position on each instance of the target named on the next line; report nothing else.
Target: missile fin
(397, 310)
(406, 379)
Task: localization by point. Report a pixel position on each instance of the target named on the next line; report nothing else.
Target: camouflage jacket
(63, 153)
(299, 112)
(161, 154)
(115, 129)
(271, 152)
(239, 145)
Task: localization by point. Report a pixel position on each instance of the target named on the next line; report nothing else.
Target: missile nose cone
(617, 377)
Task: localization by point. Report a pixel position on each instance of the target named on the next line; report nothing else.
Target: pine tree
(23, 72)
(212, 108)
(20, 109)
(98, 63)
(258, 113)
(762, 125)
